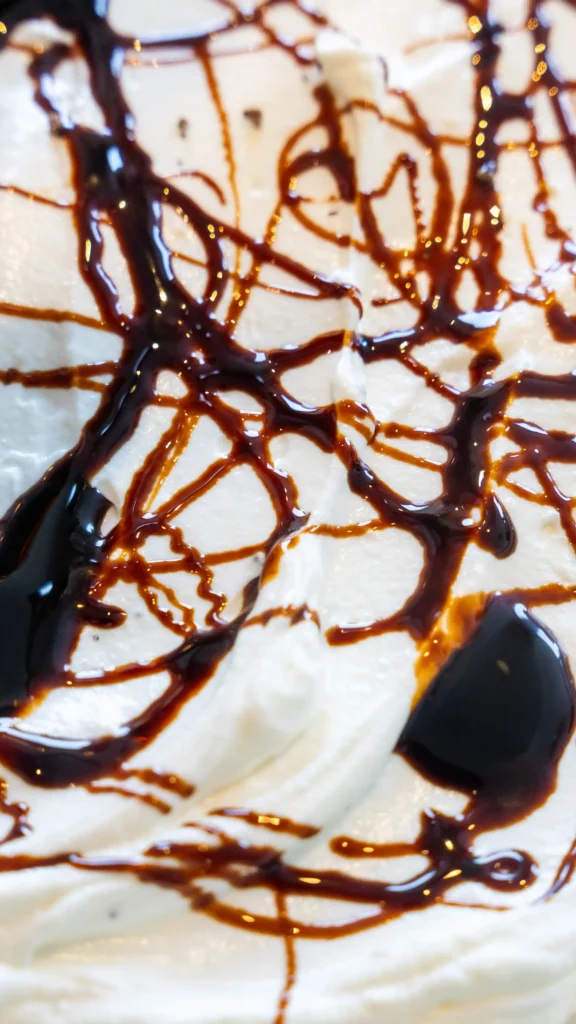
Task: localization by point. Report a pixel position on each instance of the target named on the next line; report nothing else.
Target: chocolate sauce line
(268, 821)
(81, 377)
(445, 526)
(17, 812)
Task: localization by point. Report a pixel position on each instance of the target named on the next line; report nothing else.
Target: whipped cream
(291, 726)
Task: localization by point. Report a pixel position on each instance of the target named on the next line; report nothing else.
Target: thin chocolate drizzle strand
(56, 563)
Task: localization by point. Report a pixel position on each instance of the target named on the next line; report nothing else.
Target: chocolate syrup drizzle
(499, 744)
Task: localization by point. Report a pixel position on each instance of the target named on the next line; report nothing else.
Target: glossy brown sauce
(55, 564)
(269, 821)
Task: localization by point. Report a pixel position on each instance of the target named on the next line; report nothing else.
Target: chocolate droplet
(254, 116)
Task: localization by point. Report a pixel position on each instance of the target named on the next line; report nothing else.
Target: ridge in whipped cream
(288, 555)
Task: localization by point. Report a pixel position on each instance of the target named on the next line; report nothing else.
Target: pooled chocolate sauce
(496, 719)
(50, 546)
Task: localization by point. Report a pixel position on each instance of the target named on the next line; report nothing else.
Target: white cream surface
(288, 725)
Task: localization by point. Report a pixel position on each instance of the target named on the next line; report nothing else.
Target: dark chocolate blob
(497, 718)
